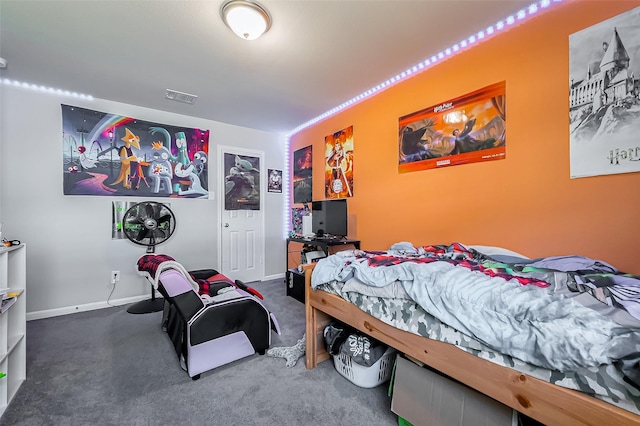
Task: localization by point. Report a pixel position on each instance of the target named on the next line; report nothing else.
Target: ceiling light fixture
(247, 19)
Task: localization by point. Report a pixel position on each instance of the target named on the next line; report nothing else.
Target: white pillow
(492, 251)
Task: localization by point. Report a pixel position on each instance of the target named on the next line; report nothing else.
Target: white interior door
(241, 245)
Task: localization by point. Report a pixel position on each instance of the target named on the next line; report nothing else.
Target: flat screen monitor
(329, 218)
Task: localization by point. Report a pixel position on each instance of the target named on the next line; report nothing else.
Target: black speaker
(295, 284)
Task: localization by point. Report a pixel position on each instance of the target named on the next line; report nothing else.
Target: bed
(554, 389)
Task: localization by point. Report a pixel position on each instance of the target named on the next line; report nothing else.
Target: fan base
(146, 306)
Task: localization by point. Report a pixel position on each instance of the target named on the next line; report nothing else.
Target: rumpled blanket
(503, 310)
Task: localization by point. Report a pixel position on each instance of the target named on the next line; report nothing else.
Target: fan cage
(148, 223)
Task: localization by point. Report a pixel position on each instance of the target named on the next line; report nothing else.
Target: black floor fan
(148, 224)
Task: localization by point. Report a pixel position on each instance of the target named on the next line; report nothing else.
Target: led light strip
(285, 184)
(43, 89)
(408, 73)
(480, 36)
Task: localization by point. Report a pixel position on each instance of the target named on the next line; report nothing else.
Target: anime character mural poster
(468, 129)
(338, 171)
(604, 97)
(302, 173)
(241, 182)
(113, 155)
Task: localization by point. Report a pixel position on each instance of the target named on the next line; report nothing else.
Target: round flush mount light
(247, 19)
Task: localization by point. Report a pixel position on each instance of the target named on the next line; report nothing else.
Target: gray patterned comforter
(533, 329)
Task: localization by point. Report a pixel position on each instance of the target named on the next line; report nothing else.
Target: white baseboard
(273, 277)
(49, 313)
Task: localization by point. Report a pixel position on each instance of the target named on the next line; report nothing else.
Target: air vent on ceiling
(174, 95)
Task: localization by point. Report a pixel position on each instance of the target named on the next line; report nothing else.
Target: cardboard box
(425, 397)
(341, 247)
(313, 256)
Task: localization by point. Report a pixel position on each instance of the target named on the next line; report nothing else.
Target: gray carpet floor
(108, 367)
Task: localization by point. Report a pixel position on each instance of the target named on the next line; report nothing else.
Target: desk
(294, 279)
(323, 243)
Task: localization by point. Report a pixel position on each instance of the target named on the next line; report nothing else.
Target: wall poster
(296, 218)
(113, 155)
(338, 170)
(302, 173)
(275, 180)
(241, 182)
(467, 129)
(604, 91)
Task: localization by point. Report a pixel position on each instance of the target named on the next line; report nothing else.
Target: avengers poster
(112, 155)
(468, 129)
(338, 170)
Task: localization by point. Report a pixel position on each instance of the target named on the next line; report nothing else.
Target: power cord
(113, 288)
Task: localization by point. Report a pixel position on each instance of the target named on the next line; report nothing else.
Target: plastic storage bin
(366, 377)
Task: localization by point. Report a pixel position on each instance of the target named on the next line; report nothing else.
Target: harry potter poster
(468, 129)
(604, 97)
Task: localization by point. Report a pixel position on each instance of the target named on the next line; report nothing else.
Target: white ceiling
(317, 54)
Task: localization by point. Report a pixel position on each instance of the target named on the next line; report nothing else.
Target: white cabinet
(13, 322)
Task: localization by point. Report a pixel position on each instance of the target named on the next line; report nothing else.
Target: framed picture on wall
(468, 129)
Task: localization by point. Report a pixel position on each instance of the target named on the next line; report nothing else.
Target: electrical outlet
(115, 276)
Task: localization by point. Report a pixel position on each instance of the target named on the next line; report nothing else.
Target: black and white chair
(208, 331)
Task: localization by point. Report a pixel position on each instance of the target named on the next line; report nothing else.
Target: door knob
(226, 225)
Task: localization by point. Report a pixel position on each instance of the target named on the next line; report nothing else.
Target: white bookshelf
(13, 322)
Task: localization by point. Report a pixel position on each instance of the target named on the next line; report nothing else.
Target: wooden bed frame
(540, 400)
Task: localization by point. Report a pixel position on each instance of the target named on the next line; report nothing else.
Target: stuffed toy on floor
(291, 353)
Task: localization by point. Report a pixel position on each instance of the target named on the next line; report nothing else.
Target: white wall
(70, 253)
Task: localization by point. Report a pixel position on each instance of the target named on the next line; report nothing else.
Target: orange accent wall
(526, 202)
